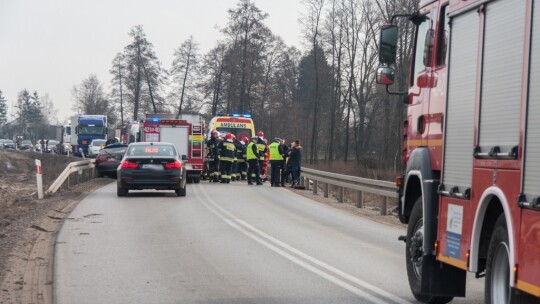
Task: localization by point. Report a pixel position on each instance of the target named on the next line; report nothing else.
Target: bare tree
(90, 98)
(118, 82)
(143, 69)
(3, 109)
(185, 66)
(312, 27)
(245, 30)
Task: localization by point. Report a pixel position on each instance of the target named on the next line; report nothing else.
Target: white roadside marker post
(39, 179)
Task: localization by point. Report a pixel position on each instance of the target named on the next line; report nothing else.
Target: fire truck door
(178, 136)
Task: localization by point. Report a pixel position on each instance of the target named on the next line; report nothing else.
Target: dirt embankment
(28, 226)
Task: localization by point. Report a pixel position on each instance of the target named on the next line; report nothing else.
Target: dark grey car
(149, 165)
(8, 144)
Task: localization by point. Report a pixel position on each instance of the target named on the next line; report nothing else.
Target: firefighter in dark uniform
(252, 157)
(263, 149)
(276, 162)
(213, 156)
(227, 151)
(238, 158)
(242, 162)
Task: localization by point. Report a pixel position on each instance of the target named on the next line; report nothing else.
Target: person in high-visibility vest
(252, 156)
(276, 162)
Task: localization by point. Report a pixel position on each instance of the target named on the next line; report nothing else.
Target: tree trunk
(183, 86)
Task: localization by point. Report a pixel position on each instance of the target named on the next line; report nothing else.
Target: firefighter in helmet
(213, 156)
(234, 168)
(227, 151)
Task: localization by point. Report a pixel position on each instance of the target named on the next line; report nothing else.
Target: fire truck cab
(470, 192)
(186, 132)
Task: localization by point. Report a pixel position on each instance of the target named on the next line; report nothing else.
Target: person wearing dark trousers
(252, 156)
(263, 149)
(241, 170)
(276, 162)
(227, 150)
(213, 155)
(284, 173)
(295, 161)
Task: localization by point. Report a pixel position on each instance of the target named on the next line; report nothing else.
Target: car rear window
(154, 150)
(98, 143)
(114, 150)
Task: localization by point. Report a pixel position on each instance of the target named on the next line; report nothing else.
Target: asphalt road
(227, 244)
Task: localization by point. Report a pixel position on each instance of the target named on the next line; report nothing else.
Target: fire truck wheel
(414, 254)
(197, 180)
(498, 265)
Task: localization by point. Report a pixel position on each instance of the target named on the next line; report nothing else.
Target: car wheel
(181, 191)
(121, 191)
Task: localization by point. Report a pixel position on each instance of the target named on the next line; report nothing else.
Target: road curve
(226, 244)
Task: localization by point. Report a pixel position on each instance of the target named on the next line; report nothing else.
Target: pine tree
(3, 109)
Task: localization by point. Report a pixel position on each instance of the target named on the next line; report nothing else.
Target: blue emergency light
(235, 115)
(155, 119)
(247, 115)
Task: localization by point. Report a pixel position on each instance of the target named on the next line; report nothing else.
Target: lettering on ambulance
(232, 125)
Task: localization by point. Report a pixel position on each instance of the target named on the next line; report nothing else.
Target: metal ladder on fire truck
(197, 141)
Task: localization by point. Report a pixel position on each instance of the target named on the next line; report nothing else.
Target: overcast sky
(51, 45)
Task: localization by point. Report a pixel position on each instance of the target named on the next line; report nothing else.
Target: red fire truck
(186, 132)
(470, 192)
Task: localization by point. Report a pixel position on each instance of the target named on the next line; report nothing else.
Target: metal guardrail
(342, 182)
(79, 167)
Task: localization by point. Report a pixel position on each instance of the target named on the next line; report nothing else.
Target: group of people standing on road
(230, 159)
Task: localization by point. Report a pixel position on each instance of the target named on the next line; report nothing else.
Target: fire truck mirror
(388, 44)
(385, 75)
(184, 157)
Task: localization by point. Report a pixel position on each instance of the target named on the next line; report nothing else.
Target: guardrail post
(315, 187)
(359, 199)
(384, 206)
(306, 182)
(340, 194)
(325, 189)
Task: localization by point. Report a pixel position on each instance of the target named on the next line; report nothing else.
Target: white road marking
(281, 248)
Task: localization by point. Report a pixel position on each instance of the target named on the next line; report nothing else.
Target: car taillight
(176, 165)
(129, 165)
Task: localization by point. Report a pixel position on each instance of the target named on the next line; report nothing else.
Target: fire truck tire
(197, 180)
(413, 255)
(497, 288)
